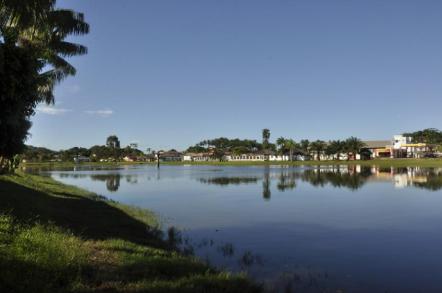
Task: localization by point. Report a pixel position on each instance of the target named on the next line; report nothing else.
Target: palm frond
(46, 84)
(67, 22)
(67, 49)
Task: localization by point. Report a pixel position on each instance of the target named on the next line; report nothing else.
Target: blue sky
(168, 74)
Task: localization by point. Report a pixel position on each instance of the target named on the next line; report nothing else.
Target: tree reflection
(229, 180)
(353, 178)
(112, 180)
(266, 193)
(286, 181)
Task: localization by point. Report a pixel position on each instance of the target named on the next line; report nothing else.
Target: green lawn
(59, 238)
(376, 162)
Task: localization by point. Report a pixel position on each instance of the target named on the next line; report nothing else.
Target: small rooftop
(372, 144)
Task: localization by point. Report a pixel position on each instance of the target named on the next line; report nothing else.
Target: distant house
(264, 156)
(403, 147)
(149, 158)
(199, 157)
(400, 147)
(378, 148)
(130, 158)
(81, 159)
(170, 156)
(246, 157)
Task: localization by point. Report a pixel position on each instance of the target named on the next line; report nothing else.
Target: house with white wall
(403, 147)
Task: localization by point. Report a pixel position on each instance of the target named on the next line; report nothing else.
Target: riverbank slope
(59, 238)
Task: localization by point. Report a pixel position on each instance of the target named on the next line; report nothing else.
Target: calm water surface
(320, 229)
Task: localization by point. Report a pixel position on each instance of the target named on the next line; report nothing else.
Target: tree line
(429, 135)
(283, 146)
(111, 151)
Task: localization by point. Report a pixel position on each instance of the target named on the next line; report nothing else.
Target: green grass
(375, 162)
(59, 238)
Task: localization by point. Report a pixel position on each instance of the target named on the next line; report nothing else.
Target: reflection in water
(227, 250)
(266, 193)
(112, 180)
(351, 177)
(286, 181)
(229, 180)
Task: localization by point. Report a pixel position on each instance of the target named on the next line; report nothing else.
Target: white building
(81, 159)
(198, 157)
(263, 156)
(403, 147)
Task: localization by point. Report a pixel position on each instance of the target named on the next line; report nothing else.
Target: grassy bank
(376, 162)
(59, 238)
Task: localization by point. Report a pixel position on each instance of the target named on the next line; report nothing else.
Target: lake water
(312, 229)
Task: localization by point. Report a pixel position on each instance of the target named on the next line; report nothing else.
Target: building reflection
(352, 177)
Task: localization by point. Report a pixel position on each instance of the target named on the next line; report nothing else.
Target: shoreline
(375, 162)
(61, 238)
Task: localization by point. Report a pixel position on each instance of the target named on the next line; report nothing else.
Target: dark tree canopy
(113, 142)
(32, 50)
(429, 135)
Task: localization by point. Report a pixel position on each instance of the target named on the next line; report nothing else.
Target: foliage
(304, 145)
(19, 82)
(96, 153)
(224, 144)
(335, 148)
(265, 138)
(196, 149)
(353, 145)
(287, 146)
(429, 135)
(318, 146)
(113, 142)
(32, 50)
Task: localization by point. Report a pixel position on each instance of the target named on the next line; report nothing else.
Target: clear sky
(168, 74)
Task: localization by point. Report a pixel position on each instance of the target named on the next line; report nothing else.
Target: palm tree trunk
(1, 164)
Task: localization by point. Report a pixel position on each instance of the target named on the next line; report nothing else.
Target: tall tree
(281, 144)
(113, 142)
(290, 144)
(32, 50)
(335, 147)
(353, 146)
(265, 138)
(318, 146)
(304, 145)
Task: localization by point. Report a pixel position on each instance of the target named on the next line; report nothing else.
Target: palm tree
(42, 28)
(318, 146)
(281, 143)
(33, 38)
(305, 145)
(265, 138)
(353, 145)
(290, 144)
(335, 147)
